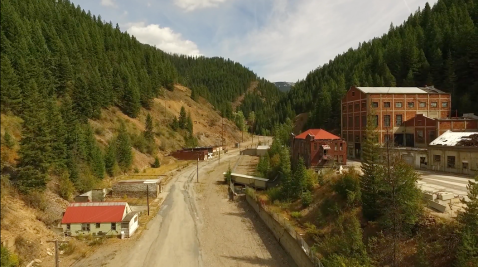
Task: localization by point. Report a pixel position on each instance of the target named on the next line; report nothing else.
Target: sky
(280, 40)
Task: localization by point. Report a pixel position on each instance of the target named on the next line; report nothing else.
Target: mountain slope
(284, 86)
(434, 46)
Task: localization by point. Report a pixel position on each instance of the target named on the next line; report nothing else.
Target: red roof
(318, 134)
(94, 212)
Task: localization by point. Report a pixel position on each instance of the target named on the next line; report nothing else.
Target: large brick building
(318, 148)
(406, 115)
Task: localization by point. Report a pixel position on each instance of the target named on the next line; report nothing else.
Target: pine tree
(467, 252)
(110, 158)
(182, 118)
(148, 132)
(299, 179)
(189, 124)
(124, 153)
(370, 182)
(11, 94)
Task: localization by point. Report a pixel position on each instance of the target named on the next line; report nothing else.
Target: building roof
(450, 138)
(129, 216)
(147, 181)
(247, 176)
(263, 147)
(94, 212)
(400, 90)
(319, 134)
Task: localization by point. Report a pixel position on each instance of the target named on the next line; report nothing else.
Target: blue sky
(280, 40)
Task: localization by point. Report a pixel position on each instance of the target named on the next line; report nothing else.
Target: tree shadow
(253, 260)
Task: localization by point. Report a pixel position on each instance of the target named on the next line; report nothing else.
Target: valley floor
(198, 226)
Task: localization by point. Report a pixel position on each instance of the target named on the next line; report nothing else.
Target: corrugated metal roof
(392, 90)
(318, 134)
(94, 212)
(450, 138)
(263, 147)
(248, 176)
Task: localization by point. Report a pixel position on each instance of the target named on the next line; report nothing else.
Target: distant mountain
(284, 86)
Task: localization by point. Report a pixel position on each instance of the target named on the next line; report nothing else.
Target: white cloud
(191, 5)
(163, 38)
(110, 3)
(299, 36)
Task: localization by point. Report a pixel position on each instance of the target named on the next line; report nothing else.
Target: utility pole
(147, 196)
(57, 259)
(197, 171)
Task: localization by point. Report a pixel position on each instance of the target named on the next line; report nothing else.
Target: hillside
(39, 222)
(434, 46)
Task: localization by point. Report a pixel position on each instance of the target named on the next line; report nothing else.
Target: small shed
(138, 188)
(256, 182)
(262, 150)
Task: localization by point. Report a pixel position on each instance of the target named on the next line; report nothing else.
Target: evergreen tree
(467, 252)
(148, 132)
(182, 118)
(299, 179)
(11, 93)
(110, 158)
(371, 180)
(124, 153)
(8, 139)
(189, 124)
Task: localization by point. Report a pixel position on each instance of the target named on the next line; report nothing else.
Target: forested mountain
(435, 46)
(61, 65)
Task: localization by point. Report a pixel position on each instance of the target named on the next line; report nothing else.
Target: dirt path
(231, 234)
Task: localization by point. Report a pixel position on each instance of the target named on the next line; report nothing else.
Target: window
(387, 138)
(353, 93)
(340, 146)
(420, 137)
(433, 104)
(357, 139)
(350, 107)
(68, 227)
(344, 108)
(113, 226)
(335, 148)
(398, 104)
(444, 104)
(136, 219)
(98, 225)
(344, 122)
(363, 104)
(315, 146)
(436, 158)
(357, 121)
(350, 122)
(398, 120)
(411, 104)
(465, 165)
(375, 120)
(422, 104)
(450, 161)
(374, 104)
(431, 136)
(357, 106)
(386, 104)
(85, 227)
(386, 120)
(422, 161)
(364, 121)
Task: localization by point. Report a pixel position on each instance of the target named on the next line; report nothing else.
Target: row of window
(397, 105)
(386, 121)
(450, 162)
(86, 226)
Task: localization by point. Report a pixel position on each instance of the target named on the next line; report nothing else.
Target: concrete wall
(249, 151)
(289, 243)
(135, 190)
(468, 155)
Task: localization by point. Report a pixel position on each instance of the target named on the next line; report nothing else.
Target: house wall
(190, 155)
(461, 154)
(105, 228)
(311, 151)
(133, 225)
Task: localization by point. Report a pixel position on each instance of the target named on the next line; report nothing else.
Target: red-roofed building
(318, 148)
(99, 218)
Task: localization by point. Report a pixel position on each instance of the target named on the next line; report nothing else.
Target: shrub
(296, 214)
(8, 259)
(348, 187)
(306, 198)
(329, 207)
(321, 179)
(9, 141)
(274, 193)
(136, 170)
(228, 176)
(66, 187)
(35, 199)
(156, 163)
(250, 192)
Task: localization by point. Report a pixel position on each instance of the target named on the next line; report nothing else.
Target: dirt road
(207, 230)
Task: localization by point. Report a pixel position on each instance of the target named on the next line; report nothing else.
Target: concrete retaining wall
(287, 241)
(135, 190)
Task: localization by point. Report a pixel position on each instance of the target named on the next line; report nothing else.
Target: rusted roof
(94, 212)
(319, 134)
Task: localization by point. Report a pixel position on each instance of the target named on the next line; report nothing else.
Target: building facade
(318, 148)
(99, 218)
(455, 152)
(393, 108)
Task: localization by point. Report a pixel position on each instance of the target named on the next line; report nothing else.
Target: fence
(290, 229)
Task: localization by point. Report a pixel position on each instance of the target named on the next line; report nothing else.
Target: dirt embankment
(252, 88)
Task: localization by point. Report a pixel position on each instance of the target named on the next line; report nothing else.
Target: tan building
(455, 152)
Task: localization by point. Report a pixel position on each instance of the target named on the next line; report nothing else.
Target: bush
(296, 214)
(156, 163)
(274, 194)
(136, 170)
(306, 198)
(66, 187)
(35, 199)
(250, 192)
(8, 259)
(329, 207)
(228, 176)
(321, 179)
(348, 187)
